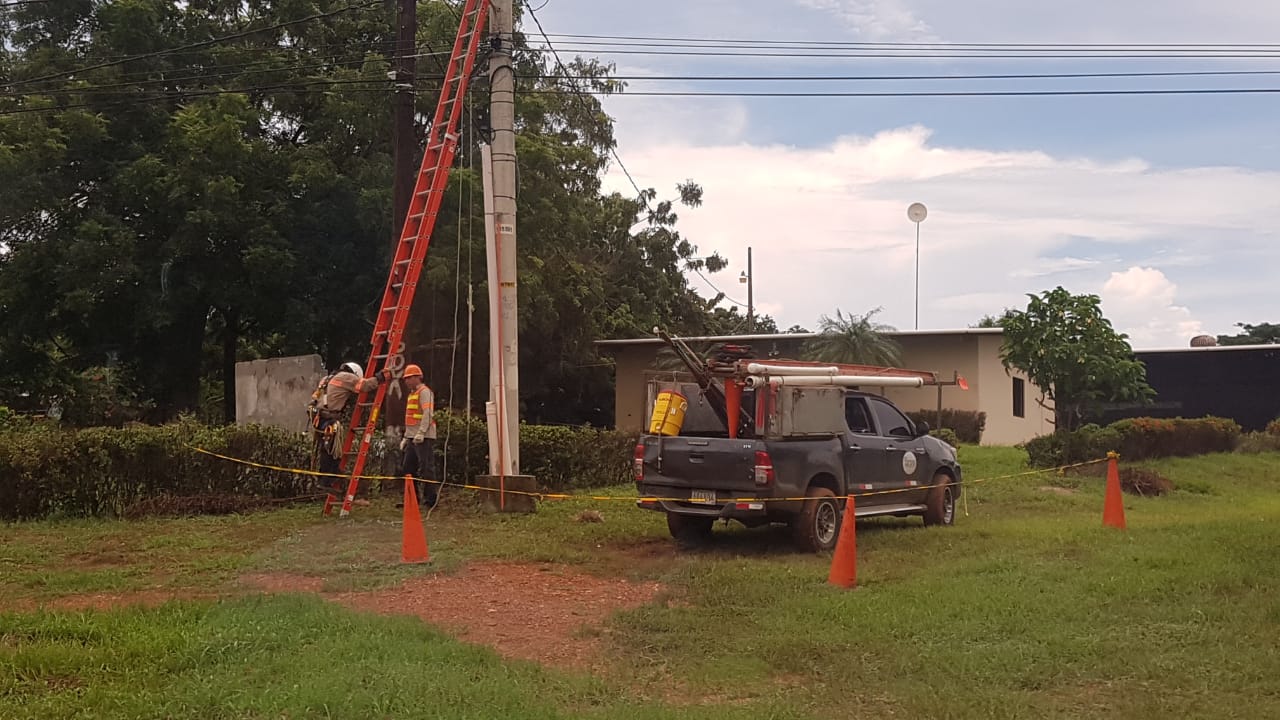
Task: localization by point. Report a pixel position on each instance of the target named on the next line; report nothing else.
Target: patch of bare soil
(283, 582)
(1057, 490)
(548, 614)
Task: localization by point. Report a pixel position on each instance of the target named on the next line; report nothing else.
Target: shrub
(559, 457)
(46, 470)
(1143, 438)
(1144, 482)
(1273, 427)
(1135, 439)
(946, 435)
(1258, 442)
(49, 471)
(966, 424)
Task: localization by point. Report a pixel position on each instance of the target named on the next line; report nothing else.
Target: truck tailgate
(700, 463)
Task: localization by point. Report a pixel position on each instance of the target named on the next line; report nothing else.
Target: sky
(1167, 206)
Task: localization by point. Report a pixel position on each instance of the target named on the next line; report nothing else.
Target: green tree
(180, 211)
(1071, 352)
(1260, 334)
(993, 321)
(854, 339)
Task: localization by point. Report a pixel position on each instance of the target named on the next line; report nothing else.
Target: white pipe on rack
(837, 380)
(788, 370)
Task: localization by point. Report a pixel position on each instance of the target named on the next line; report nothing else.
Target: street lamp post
(916, 213)
(746, 278)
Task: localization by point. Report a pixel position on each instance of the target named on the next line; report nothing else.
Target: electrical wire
(852, 43)
(612, 150)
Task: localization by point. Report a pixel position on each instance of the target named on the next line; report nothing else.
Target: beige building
(1008, 398)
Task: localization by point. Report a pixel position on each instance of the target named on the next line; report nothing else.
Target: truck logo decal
(909, 463)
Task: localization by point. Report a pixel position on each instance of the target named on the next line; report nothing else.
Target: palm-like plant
(856, 340)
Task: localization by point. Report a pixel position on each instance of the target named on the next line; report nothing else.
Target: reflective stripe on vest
(412, 409)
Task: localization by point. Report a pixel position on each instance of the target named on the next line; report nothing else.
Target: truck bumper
(740, 508)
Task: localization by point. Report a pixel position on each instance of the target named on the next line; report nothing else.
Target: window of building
(1019, 397)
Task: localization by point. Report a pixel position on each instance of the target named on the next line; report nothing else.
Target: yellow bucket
(668, 413)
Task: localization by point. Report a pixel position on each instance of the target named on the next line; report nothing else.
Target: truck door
(905, 458)
(864, 452)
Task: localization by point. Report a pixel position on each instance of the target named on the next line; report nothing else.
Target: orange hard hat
(412, 371)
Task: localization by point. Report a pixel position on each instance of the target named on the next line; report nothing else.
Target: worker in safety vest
(419, 435)
(331, 406)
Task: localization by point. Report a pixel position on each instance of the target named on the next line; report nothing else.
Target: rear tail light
(764, 468)
(638, 465)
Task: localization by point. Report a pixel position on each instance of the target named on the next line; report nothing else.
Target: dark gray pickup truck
(818, 443)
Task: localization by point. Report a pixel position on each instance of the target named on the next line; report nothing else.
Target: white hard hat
(353, 367)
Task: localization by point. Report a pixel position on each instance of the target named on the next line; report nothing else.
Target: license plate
(702, 496)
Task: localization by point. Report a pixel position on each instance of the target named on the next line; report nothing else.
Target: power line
(939, 93)
(996, 76)
(713, 287)
(906, 54)
(612, 150)
(763, 41)
(203, 43)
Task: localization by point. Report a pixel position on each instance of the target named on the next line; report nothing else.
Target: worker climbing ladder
(411, 248)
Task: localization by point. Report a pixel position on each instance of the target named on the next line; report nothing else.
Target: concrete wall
(944, 355)
(1003, 428)
(276, 392)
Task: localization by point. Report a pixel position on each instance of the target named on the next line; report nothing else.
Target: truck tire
(940, 507)
(817, 527)
(689, 530)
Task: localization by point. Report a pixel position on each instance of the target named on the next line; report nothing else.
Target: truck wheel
(817, 527)
(940, 507)
(689, 530)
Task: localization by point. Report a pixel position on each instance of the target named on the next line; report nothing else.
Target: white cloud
(877, 20)
(1140, 301)
(828, 227)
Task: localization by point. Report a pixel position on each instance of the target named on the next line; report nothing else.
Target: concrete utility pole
(505, 397)
(748, 278)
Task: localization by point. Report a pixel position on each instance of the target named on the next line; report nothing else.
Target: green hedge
(966, 424)
(1135, 439)
(559, 457)
(49, 471)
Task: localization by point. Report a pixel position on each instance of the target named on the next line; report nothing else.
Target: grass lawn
(1026, 608)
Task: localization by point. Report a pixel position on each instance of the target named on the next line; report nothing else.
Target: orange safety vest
(413, 409)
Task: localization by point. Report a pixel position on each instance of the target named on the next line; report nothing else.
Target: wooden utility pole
(405, 158)
(404, 146)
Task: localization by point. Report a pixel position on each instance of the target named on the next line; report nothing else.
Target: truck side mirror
(922, 428)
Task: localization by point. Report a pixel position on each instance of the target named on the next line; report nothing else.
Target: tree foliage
(854, 339)
(1069, 350)
(174, 213)
(1260, 334)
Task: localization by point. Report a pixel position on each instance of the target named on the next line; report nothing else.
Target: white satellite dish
(917, 212)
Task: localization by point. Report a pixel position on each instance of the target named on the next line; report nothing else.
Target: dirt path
(551, 614)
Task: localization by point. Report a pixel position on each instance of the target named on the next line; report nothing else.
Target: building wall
(942, 355)
(276, 392)
(1003, 427)
(975, 356)
(630, 392)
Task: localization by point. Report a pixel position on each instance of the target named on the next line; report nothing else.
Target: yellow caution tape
(635, 498)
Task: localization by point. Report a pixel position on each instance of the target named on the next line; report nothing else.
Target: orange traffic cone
(413, 545)
(844, 566)
(1113, 508)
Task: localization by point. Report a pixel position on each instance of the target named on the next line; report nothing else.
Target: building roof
(626, 342)
(1209, 348)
